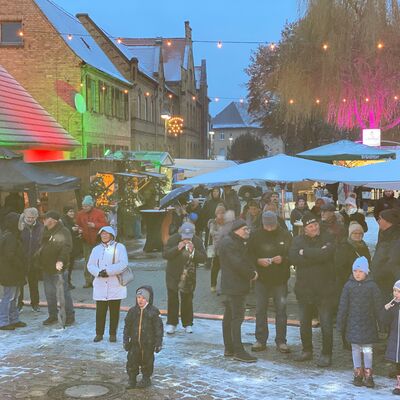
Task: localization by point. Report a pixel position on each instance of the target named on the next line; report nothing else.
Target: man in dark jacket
(31, 238)
(385, 264)
(237, 270)
(313, 256)
(231, 200)
(53, 258)
(269, 249)
(183, 251)
(12, 273)
(143, 334)
(332, 223)
(386, 202)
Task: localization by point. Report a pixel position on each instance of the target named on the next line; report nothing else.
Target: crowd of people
(244, 247)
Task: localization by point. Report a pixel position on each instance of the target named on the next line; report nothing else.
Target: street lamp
(166, 116)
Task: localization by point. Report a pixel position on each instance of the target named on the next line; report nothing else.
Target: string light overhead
(69, 37)
(219, 44)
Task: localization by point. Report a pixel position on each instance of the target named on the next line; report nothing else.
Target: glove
(103, 274)
(157, 349)
(127, 346)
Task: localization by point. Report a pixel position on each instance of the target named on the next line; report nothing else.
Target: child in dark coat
(143, 334)
(359, 310)
(392, 318)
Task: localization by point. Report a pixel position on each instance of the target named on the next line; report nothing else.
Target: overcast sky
(249, 20)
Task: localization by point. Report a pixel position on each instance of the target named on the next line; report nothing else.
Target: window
(221, 136)
(92, 95)
(102, 89)
(10, 33)
(146, 117)
(139, 106)
(108, 100)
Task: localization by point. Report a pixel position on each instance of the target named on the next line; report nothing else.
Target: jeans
(215, 267)
(8, 306)
(50, 290)
(325, 319)
(232, 323)
(101, 313)
(33, 282)
(186, 308)
(87, 249)
(279, 295)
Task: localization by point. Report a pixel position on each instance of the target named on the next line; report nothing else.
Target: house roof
(82, 43)
(235, 115)
(175, 52)
(24, 123)
(148, 57)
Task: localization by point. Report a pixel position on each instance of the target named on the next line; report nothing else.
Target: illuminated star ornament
(175, 126)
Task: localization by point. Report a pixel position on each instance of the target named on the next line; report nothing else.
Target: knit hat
(328, 207)
(220, 208)
(308, 218)
(361, 263)
(355, 226)
(186, 230)
(143, 292)
(351, 201)
(193, 216)
(88, 201)
(269, 218)
(391, 215)
(52, 214)
(108, 229)
(396, 285)
(237, 224)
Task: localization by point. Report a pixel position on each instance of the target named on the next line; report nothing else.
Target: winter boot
(396, 390)
(144, 383)
(368, 379)
(244, 356)
(358, 377)
(131, 382)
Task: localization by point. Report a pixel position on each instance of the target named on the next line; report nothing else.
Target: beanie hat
(308, 218)
(88, 201)
(351, 201)
(186, 230)
(237, 224)
(396, 285)
(269, 218)
(108, 229)
(355, 226)
(193, 216)
(391, 215)
(361, 263)
(328, 207)
(52, 214)
(143, 292)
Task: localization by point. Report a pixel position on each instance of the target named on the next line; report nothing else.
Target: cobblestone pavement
(35, 359)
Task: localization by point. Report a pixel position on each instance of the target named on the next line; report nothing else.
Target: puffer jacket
(143, 327)
(359, 311)
(12, 267)
(31, 238)
(315, 276)
(113, 258)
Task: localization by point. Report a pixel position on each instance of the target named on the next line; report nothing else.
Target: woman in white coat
(107, 260)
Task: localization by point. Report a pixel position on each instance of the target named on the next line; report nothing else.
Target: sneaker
(324, 361)
(244, 356)
(304, 356)
(113, 338)
(283, 348)
(188, 329)
(50, 321)
(19, 324)
(257, 346)
(98, 338)
(170, 329)
(36, 308)
(213, 289)
(7, 328)
(144, 383)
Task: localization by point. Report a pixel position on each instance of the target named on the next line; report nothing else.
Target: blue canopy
(346, 150)
(279, 168)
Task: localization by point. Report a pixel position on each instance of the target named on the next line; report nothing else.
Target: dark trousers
(101, 313)
(142, 358)
(215, 267)
(279, 296)
(186, 306)
(325, 319)
(33, 283)
(232, 323)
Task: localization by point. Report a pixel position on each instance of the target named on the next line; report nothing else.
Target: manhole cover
(86, 390)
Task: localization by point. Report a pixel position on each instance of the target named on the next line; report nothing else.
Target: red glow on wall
(66, 92)
(42, 155)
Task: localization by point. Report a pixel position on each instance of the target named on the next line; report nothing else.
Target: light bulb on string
(272, 46)
(119, 40)
(20, 33)
(367, 99)
(219, 44)
(344, 100)
(325, 46)
(380, 45)
(216, 99)
(241, 100)
(317, 101)
(169, 43)
(291, 101)
(69, 36)
(396, 97)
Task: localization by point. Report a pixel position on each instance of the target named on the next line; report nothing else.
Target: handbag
(210, 248)
(126, 276)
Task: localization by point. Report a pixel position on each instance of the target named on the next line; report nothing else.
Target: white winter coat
(101, 258)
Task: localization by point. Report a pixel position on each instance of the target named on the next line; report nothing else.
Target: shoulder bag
(126, 276)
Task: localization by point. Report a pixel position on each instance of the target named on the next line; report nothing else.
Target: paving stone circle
(86, 390)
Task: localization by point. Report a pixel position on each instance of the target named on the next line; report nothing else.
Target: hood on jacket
(150, 290)
(11, 221)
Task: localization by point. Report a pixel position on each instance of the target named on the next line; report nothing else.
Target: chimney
(188, 31)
